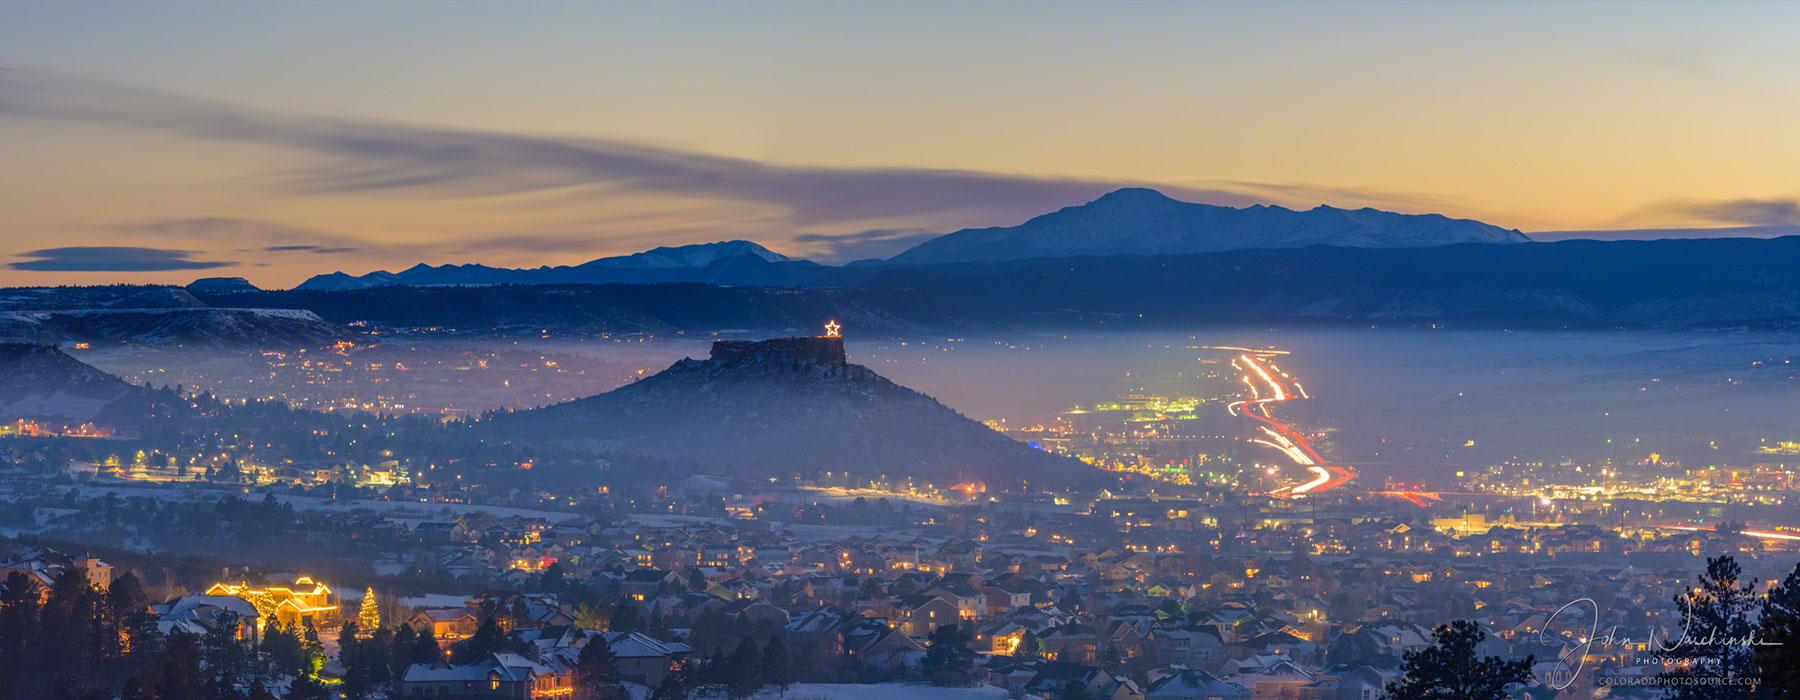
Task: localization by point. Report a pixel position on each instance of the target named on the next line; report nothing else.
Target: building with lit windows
(305, 602)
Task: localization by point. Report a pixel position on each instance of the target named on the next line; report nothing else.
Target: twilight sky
(162, 142)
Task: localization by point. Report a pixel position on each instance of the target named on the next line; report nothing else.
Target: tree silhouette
(947, 656)
(596, 669)
(1778, 658)
(1449, 669)
(1713, 615)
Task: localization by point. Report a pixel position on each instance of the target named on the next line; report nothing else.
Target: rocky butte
(788, 407)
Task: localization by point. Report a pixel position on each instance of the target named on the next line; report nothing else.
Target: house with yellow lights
(305, 602)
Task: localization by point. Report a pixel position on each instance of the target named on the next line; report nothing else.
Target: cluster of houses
(1132, 601)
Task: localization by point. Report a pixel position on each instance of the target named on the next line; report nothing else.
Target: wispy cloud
(315, 249)
(888, 209)
(363, 155)
(112, 259)
(279, 237)
(861, 245)
(1727, 212)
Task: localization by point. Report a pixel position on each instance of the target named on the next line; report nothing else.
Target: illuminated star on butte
(831, 329)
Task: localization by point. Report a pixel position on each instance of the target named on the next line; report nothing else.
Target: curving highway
(1281, 436)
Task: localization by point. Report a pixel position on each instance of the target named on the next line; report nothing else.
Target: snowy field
(883, 691)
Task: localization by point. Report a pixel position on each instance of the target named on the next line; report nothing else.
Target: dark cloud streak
(112, 259)
(361, 155)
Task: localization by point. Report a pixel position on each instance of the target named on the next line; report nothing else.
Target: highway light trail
(1285, 439)
(1759, 534)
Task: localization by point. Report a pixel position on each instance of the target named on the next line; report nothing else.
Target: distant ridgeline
(820, 349)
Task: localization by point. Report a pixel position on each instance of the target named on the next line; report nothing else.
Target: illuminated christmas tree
(369, 617)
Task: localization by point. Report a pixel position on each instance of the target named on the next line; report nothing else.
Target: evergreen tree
(283, 651)
(677, 685)
(947, 656)
(1450, 669)
(258, 691)
(596, 669)
(368, 616)
(488, 640)
(357, 677)
(225, 659)
(1719, 609)
(306, 688)
(377, 653)
(126, 604)
(778, 670)
(176, 675)
(552, 581)
(314, 649)
(425, 649)
(18, 630)
(626, 617)
(1778, 657)
(134, 690)
(743, 670)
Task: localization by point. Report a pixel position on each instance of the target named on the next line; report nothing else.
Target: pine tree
(258, 691)
(369, 615)
(677, 685)
(134, 690)
(1450, 669)
(777, 668)
(357, 683)
(425, 649)
(1778, 657)
(596, 669)
(1719, 609)
(947, 656)
(18, 628)
(552, 581)
(177, 672)
(488, 640)
(743, 670)
(626, 617)
(306, 688)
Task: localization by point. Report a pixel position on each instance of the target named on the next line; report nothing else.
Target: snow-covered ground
(882, 691)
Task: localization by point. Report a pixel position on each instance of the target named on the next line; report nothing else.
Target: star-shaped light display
(831, 329)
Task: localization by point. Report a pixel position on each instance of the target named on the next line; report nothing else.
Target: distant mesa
(788, 406)
(155, 316)
(221, 285)
(158, 298)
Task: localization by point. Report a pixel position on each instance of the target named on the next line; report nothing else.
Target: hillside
(157, 315)
(205, 326)
(788, 406)
(40, 381)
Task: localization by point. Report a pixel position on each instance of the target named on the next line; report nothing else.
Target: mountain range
(1677, 282)
(1137, 221)
(725, 262)
(788, 406)
(1131, 221)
